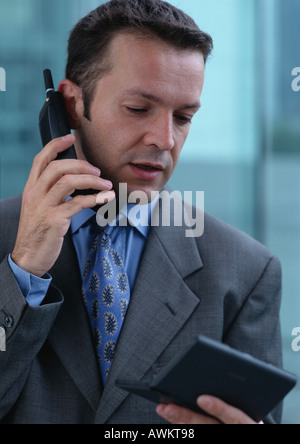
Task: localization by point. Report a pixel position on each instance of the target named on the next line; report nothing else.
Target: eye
(136, 110)
(183, 120)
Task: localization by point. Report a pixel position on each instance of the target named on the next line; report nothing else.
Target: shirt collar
(81, 219)
(85, 215)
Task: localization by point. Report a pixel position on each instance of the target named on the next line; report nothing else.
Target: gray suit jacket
(223, 285)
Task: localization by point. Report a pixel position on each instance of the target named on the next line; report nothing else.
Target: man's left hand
(224, 413)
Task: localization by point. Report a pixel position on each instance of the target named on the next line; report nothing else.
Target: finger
(222, 411)
(181, 415)
(78, 203)
(68, 184)
(57, 169)
(47, 155)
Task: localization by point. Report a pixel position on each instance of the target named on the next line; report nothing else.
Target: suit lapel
(160, 305)
(70, 337)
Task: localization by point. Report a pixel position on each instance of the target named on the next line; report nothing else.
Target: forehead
(151, 64)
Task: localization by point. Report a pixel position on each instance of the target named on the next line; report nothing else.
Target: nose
(161, 132)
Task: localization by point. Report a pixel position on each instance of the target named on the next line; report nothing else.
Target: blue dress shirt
(84, 230)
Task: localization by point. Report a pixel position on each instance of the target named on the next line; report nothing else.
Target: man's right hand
(45, 214)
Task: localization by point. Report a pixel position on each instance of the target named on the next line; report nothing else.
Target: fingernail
(160, 409)
(68, 138)
(168, 411)
(205, 403)
(108, 183)
(105, 196)
(96, 171)
(173, 412)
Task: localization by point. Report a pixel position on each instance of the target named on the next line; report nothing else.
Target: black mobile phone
(53, 120)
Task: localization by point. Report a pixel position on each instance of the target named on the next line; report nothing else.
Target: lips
(146, 171)
(147, 166)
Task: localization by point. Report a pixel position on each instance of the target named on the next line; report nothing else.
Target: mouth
(146, 171)
(148, 167)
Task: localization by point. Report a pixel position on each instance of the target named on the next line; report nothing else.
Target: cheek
(113, 135)
(176, 152)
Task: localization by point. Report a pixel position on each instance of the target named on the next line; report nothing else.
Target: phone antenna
(48, 80)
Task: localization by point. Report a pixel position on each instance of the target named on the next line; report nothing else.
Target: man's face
(141, 113)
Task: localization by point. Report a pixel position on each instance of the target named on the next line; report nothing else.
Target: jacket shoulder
(232, 245)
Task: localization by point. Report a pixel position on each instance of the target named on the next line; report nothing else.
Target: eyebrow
(158, 100)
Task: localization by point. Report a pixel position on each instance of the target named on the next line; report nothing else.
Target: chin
(131, 192)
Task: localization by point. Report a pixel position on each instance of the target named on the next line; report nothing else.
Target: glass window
(282, 167)
(33, 36)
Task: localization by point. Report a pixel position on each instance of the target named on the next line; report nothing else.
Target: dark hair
(90, 38)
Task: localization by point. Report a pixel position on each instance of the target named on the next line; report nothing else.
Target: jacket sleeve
(26, 330)
(257, 324)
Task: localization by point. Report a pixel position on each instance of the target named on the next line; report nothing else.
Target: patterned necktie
(106, 294)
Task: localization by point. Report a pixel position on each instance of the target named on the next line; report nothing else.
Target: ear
(74, 103)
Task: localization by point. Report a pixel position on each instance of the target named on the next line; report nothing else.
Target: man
(135, 75)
